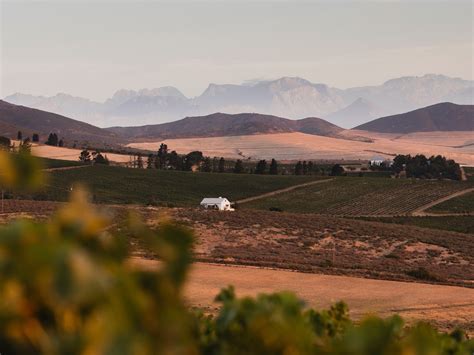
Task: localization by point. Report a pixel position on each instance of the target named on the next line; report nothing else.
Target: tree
(337, 170)
(139, 161)
(35, 138)
(150, 161)
(221, 167)
(5, 143)
(310, 168)
(299, 168)
(100, 159)
(162, 156)
(421, 167)
(52, 140)
(239, 167)
(273, 167)
(19, 136)
(175, 161)
(25, 146)
(61, 143)
(206, 165)
(261, 167)
(85, 156)
(192, 160)
(305, 168)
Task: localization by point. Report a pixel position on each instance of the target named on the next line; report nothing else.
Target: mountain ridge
(291, 97)
(14, 118)
(222, 124)
(444, 116)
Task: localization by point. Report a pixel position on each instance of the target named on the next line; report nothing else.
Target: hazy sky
(93, 48)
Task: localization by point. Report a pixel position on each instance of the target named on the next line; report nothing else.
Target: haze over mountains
(289, 97)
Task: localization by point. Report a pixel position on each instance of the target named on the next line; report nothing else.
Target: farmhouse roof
(212, 200)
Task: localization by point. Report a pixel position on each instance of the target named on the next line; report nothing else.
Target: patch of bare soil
(446, 307)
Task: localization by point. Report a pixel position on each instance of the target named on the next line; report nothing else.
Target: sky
(93, 48)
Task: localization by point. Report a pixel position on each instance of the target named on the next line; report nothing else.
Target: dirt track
(421, 210)
(444, 306)
(67, 168)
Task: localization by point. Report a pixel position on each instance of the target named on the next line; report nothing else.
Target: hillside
(14, 118)
(223, 125)
(440, 117)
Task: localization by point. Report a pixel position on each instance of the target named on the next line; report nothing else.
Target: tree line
(166, 159)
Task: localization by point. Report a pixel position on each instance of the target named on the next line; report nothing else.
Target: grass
(48, 163)
(461, 204)
(355, 196)
(461, 224)
(117, 185)
(469, 173)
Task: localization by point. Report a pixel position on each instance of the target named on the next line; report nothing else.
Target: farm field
(336, 258)
(354, 196)
(70, 154)
(300, 242)
(446, 307)
(300, 146)
(325, 244)
(109, 184)
(460, 204)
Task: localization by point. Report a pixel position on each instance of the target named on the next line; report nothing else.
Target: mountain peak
(444, 116)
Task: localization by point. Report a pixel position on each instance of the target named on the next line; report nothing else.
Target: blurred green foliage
(67, 287)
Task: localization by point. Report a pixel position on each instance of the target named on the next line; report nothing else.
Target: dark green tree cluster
(54, 141)
(261, 167)
(95, 157)
(239, 167)
(337, 170)
(306, 168)
(419, 166)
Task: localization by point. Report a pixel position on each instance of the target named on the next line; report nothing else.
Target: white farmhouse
(221, 204)
(379, 161)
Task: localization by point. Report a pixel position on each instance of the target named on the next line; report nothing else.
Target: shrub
(422, 274)
(275, 209)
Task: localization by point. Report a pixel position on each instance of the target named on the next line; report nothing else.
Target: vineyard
(363, 196)
(460, 204)
(396, 201)
(118, 185)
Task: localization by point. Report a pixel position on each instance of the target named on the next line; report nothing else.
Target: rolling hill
(223, 125)
(440, 117)
(14, 118)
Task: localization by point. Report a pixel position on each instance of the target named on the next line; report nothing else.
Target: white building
(221, 204)
(379, 161)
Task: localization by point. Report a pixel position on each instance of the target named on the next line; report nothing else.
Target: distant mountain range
(222, 125)
(290, 97)
(440, 117)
